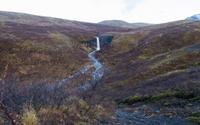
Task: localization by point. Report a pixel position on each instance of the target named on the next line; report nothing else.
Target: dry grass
(29, 117)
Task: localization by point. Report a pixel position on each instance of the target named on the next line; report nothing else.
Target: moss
(194, 119)
(135, 98)
(167, 104)
(190, 96)
(197, 98)
(161, 96)
(195, 114)
(184, 95)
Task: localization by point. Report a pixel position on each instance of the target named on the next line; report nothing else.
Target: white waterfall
(98, 44)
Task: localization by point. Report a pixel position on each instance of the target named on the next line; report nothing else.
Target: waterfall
(98, 44)
(97, 74)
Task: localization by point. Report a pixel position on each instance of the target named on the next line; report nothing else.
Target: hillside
(156, 67)
(39, 48)
(150, 74)
(119, 23)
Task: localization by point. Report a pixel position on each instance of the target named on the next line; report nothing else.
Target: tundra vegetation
(152, 70)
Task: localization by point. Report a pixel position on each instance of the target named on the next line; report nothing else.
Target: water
(98, 44)
(96, 74)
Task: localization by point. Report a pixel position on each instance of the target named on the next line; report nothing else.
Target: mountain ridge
(120, 23)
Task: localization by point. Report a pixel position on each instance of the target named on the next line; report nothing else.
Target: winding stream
(96, 74)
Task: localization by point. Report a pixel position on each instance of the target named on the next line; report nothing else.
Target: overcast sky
(150, 11)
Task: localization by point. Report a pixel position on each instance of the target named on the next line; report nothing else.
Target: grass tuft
(29, 117)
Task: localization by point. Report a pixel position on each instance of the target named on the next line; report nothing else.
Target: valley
(63, 72)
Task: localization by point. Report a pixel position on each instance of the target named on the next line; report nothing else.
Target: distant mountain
(120, 23)
(194, 18)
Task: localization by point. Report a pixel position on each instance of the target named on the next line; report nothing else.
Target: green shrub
(195, 114)
(167, 104)
(194, 119)
(133, 99)
(190, 96)
(197, 98)
(161, 96)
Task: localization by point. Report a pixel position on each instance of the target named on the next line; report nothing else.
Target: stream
(96, 75)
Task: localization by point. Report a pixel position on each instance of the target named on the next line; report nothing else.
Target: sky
(149, 11)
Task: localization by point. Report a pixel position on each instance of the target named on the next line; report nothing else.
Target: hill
(151, 74)
(28, 42)
(120, 23)
(154, 70)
